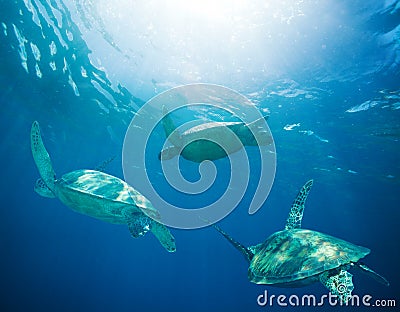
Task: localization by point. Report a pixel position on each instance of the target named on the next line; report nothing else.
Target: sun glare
(224, 36)
(212, 10)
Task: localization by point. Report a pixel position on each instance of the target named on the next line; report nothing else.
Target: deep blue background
(52, 259)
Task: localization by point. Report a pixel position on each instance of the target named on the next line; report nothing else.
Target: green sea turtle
(98, 195)
(296, 257)
(196, 143)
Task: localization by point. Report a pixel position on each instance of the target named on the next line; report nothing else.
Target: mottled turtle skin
(296, 257)
(197, 143)
(98, 195)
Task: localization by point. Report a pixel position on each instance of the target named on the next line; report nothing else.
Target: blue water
(327, 71)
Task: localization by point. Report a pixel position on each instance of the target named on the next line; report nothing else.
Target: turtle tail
(41, 157)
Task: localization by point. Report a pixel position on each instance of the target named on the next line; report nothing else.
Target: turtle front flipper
(41, 157)
(248, 253)
(338, 283)
(164, 236)
(296, 212)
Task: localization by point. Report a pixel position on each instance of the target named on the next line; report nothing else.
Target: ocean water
(326, 71)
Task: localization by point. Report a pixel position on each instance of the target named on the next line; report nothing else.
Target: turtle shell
(199, 142)
(210, 127)
(289, 256)
(101, 195)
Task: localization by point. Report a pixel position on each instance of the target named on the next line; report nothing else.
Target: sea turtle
(296, 257)
(196, 143)
(99, 195)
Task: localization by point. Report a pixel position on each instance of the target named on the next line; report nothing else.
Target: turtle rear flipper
(42, 189)
(41, 157)
(339, 284)
(138, 223)
(164, 236)
(371, 273)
